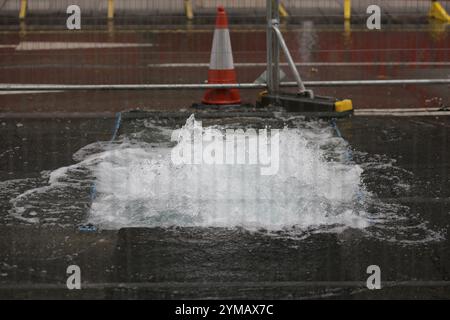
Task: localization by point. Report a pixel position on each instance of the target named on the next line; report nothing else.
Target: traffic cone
(221, 67)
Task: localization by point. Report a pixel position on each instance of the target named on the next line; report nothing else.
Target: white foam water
(139, 185)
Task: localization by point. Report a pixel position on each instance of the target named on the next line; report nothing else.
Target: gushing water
(141, 186)
(315, 189)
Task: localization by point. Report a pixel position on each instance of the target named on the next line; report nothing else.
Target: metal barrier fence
(176, 50)
(60, 109)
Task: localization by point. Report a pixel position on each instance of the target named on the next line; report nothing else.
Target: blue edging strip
(93, 191)
(335, 127)
(348, 154)
(117, 124)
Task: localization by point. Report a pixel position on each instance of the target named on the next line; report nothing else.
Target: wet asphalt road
(213, 262)
(143, 56)
(219, 263)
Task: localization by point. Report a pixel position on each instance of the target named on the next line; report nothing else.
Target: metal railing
(195, 86)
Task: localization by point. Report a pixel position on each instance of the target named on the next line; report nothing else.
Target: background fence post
(282, 10)
(347, 9)
(276, 48)
(110, 9)
(23, 9)
(188, 9)
(269, 53)
(273, 49)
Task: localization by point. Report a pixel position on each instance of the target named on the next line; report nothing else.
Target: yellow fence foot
(23, 9)
(188, 9)
(347, 9)
(283, 11)
(438, 12)
(110, 9)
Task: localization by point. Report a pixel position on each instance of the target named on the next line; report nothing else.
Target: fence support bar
(298, 79)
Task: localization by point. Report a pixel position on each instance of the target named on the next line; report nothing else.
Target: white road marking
(28, 92)
(45, 45)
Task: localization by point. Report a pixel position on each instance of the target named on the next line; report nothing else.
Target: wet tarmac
(181, 55)
(405, 162)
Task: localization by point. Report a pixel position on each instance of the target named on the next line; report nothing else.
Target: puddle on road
(133, 182)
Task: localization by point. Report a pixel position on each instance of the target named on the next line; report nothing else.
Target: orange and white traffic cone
(221, 67)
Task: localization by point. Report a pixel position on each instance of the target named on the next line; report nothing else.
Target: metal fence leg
(276, 48)
(269, 47)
